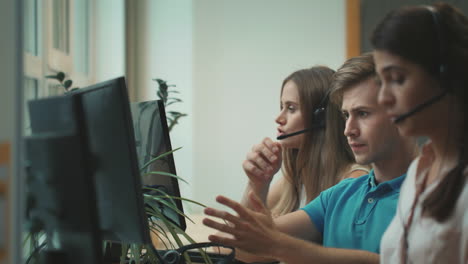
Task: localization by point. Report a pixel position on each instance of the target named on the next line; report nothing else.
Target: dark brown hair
(429, 40)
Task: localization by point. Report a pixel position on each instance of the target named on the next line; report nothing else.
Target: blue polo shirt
(355, 213)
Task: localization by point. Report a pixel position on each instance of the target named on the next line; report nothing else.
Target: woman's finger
(259, 161)
(251, 170)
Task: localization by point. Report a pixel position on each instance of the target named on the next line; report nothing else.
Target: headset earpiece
(319, 117)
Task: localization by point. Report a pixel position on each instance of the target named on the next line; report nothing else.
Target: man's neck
(393, 167)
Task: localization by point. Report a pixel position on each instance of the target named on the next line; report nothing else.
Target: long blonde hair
(324, 155)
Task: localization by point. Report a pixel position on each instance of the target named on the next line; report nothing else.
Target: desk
(196, 230)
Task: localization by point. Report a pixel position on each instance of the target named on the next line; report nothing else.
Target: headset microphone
(419, 107)
(293, 134)
(319, 122)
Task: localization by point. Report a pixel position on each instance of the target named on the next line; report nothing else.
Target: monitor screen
(60, 187)
(152, 140)
(108, 126)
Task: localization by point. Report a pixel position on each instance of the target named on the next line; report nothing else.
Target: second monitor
(152, 140)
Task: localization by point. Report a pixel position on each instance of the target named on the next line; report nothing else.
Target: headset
(443, 68)
(318, 118)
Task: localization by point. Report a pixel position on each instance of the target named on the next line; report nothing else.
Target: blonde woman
(312, 160)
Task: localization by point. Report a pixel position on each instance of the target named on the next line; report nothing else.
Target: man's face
(370, 133)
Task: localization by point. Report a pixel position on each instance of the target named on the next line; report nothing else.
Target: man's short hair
(353, 71)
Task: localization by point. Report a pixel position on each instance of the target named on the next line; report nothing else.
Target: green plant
(166, 231)
(163, 94)
(61, 78)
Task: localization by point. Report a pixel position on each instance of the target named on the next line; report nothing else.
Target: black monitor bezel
(143, 232)
(170, 158)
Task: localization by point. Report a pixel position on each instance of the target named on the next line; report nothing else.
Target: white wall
(242, 52)
(170, 59)
(228, 59)
(110, 39)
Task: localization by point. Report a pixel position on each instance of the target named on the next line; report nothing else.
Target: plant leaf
(51, 77)
(60, 76)
(123, 255)
(165, 174)
(172, 102)
(150, 198)
(67, 84)
(173, 207)
(203, 253)
(174, 122)
(157, 158)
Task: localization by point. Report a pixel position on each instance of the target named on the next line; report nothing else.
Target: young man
(350, 215)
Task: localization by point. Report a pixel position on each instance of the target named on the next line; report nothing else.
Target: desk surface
(196, 230)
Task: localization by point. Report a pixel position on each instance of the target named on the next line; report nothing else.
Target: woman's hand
(263, 162)
(252, 231)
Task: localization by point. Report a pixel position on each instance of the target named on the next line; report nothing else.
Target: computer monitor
(152, 140)
(108, 127)
(60, 192)
(87, 178)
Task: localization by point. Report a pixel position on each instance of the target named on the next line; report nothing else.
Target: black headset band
(440, 40)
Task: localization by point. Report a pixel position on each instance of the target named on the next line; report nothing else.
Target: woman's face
(405, 85)
(290, 119)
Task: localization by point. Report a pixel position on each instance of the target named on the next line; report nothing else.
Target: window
(33, 71)
(31, 27)
(81, 37)
(57, 38)
(31, 89)
(61, 25)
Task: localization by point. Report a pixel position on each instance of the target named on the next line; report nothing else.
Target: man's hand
(253, 231)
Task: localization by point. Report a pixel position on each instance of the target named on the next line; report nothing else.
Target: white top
(429, 241)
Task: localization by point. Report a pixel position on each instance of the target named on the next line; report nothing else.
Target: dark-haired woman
(421, 56)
